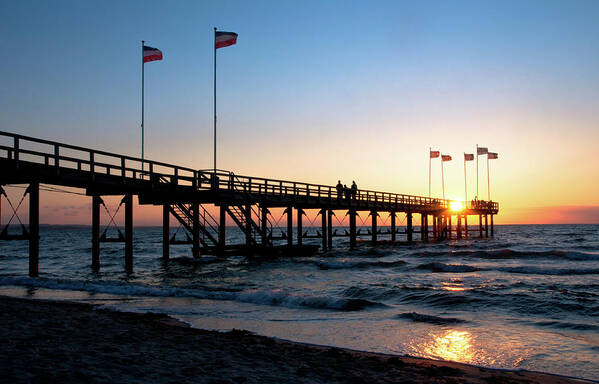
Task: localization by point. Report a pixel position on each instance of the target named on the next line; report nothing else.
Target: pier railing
(58, 155)
(263, 186)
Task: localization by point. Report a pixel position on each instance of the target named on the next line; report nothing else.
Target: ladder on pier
(208, 224)
(254, 234)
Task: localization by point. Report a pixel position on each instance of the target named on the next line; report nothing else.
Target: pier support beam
(393, 227)
(352, 228)
(264, 225)
(96, 201)
(449, 227)
(248, 224)
(323, 214)
(409, 228)
(480, 225)
(374, 230)
(459, 228)
(166, 229)
(486, 226)
(290, 226)
(300, 229)
(34, 229)
(466, 234)
(330, 229)
(422, 231)
(195, 229)
(435, 234)
(492, 227)
(222, 228)
(128, 233)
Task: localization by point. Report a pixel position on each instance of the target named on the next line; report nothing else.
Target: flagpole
(215, 101)
(488, 181)
(465, 182)
(142, 107)
(429, 172)
(477, 171)
(442, 177)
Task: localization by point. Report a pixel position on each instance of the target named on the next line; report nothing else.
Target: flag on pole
(151, 54)
(445, 158)
(468, 156)
(482, 151)
(224, 39)
(435, 154)
(492, 155)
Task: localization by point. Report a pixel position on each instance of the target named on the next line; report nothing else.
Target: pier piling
(480, 225)
(165, 232)
(374, 226)
(352, 228)
(290, 227)
(222, 228)
(409, 228)
(323, 214)
(330, 230)
(34, 228)
(129, 233)
(300, 230)
(96, 201)
(393, 230)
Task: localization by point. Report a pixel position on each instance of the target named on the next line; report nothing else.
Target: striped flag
(224, 39)
(468, 156)
(492, 155)
(482, 151)
(151, 54)
(445, 158)
(435, 154)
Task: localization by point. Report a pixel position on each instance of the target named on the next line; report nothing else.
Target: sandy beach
(46, 341)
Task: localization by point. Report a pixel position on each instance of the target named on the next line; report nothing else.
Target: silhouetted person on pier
(346, 191)
(339, 189)
(354, 190)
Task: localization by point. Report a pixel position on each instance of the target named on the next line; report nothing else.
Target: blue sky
(317, 90)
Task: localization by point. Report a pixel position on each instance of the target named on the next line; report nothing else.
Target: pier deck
(183, 193)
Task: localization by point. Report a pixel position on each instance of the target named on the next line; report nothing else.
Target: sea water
(526, 299)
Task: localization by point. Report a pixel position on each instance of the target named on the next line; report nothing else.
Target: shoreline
(66, 342)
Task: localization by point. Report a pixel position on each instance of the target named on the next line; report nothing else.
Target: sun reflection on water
(452, 345)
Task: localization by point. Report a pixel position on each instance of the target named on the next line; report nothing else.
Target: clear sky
(322, 90)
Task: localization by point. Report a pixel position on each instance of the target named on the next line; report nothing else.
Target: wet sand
(46, 341)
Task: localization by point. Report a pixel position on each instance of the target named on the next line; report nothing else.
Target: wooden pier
(248, 201)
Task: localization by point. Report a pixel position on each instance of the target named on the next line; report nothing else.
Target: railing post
(16, 146)
(91, 164)
(123, 169)
(56, 156)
